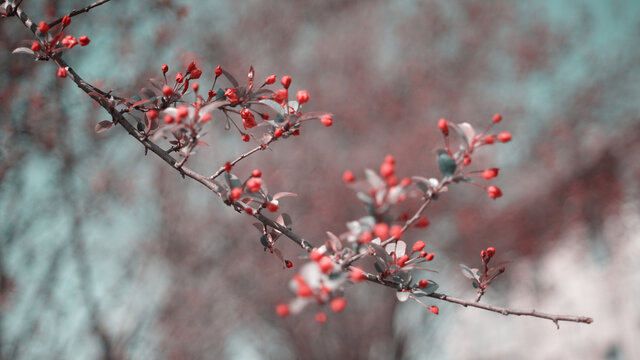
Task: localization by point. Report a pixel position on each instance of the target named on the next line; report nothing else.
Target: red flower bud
(302, 96)
(43, 27)
(321, 318)
(35, 46)
(84, 40)
(245, 138)
(348, 177)
(168, 119)
(356, 274)
(282, 310)
(165, 68)
(430, 256)
(167, 90)
(327, 120)
(325, 264)
(490, 173)
(434, 309)
(418, 246)
(497, 118)
(442, 125)
(236, 193)
(66, 20)
(179, 77)
(62, 73)
(338, 304)
(422, 284)
(504, 136)
(381, 230)
(491, 251)
(286, 81)
(494, 192)
(218, 71)
(423, 222)
(270, 80)
(396, 231)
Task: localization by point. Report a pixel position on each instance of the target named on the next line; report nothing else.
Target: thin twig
(554, 318)
(78, 12)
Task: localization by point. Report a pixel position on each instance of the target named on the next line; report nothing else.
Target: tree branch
(211, 184)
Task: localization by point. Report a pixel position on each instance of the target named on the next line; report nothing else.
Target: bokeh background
(108, 254)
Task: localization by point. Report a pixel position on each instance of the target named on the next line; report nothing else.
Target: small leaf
(402, 296)
(103, 126)
(430, 289)
(373, 179)
(275, 106)
(230, 77)
(333, 242)
(23, 50)
(280, 195)
(446, 163)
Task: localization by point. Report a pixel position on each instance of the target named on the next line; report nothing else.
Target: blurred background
(108, 254)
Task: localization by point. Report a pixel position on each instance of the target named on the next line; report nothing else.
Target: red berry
(390, 159)
(348, 177)
(418, 246)
(366, 237)
(195, 87)
(434, 309)
(282, 310)
(387, 169)
(381, 230)
(256, 173)
(497, 118)
(442, 125)
(165, 68)
(218, 71)
(245, 138)
(423, 254)
(325, 264)
(423, 222)
(35, 46)
(288, 264)
(327, 120)
(338, 304)
(168, 119)
(490, 173)
(227, 166)
(62, 73)
(286, 81)
(249, 211)
(167, 90)
(430, 256)
(356, 274)
(236, 193)
(304, 291)
(491, 251)
(152, 114)
(195, 73)
(422, 284)
(277, 133)
(43, 27)
(66, 20)
(489, 139)
(315, 255)
(183, 111)
(405, 182)
(396, 231)
(402, 260)
(466, 161)
(179, 77)
(270, 80)
(302, 96)
(84, 40)
(494, 192)
(321, 317)
(254, 184)
(273, 207)
(504, 136)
